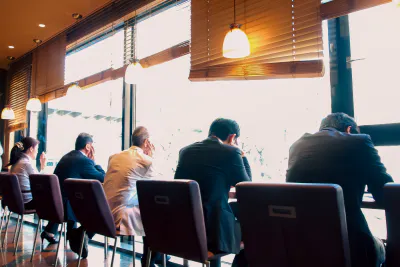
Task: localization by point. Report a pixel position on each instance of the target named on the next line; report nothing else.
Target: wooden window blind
(285, 39)
(19, 86)
(48, 66)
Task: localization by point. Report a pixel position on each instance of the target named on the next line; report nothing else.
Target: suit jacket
(351, 161)
(76, 165)
(216, 167)
(124, 169)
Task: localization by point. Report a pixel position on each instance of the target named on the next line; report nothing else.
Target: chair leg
(18, 234)
(59, 242)
(133, 250)
(148, 258)
(185, 263)
(115, 249)
(34, 240)
(105, 247)
(207, 264)
(16, 228)
(164, 260)
(8, 221)
(2, 218)
(81, 248)
(65, 237)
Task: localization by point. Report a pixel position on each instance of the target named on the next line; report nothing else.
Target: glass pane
(390, 156)
(100, 56)
(375, 44)
(97, 111)
(163, 30)
(272, 114)
(33, 124)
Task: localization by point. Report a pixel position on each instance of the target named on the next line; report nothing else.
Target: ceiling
(20, 19)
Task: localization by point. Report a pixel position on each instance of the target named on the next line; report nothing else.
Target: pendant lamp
(74, 89)
(236, 44)
(134, 71)
(7, 113)
(34, 103)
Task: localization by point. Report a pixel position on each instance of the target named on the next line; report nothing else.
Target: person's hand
(236, 143)
(91, 154)
(150, 150)
(43, 161)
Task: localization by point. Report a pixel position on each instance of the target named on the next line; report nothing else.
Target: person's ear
(348, 130)
(231, 139)
(87, 147)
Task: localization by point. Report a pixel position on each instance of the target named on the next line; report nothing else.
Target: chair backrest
(12, 193)
(293, 225)
(47, 196)
(90, 206)
(172, 216)
(392, 203)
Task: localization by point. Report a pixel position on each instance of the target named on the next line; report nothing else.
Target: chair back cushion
(392, 203)
(47, 196)
(172, 216)
(90, 206)
(12, 193)
(293, 225)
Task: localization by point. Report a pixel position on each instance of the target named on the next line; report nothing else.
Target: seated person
(21, 157)
(216, 164)
(79, 163)
(339, 154)
(124, 169)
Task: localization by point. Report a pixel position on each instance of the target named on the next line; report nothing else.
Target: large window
(272, 113)
(375, 41)
(97, 111)
(95, 58)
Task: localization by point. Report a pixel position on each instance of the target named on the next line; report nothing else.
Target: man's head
(84, 143)
(226, 130)
(341, 122)
(141, 138)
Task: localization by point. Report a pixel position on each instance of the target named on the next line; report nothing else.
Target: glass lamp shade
(236, 43)
(134, 73)
(34, 104)
(8, 113)
(74, 90)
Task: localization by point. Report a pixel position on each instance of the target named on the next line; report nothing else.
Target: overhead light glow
(8, 113)
(34, 104)
(11, 46)
(42, 25)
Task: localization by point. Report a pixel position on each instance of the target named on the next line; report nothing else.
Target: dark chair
(293, 225)
(172, 216)
(48, 203)
(392, 202)
(90, 206)
(13, 197)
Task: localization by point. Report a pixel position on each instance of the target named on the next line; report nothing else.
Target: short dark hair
(139, 135)
(222, 128)
(82, 140)
(340, 121)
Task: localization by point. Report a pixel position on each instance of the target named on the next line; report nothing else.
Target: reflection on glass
(375, 47)
(95, 58)
(97, 111)
(272, 114)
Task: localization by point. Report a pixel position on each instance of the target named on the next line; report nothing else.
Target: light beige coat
(124, 169)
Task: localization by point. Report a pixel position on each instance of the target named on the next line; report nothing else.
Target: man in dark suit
(79, 163)
(217, 164)
(339, 154)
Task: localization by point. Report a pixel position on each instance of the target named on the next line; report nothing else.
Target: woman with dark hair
(21, 157)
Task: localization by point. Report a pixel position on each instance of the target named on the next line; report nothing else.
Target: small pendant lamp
(236, 44)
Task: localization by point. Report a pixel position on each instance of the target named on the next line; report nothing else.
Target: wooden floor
(47, 257)
(67, 257)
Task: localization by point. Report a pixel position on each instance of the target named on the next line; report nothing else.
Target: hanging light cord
(234, 12)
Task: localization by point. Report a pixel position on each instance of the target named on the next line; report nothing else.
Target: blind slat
(279, 31)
